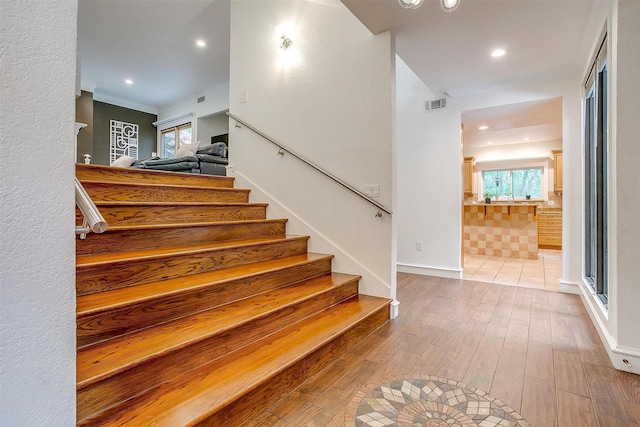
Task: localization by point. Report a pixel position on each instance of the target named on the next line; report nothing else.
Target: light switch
(244, 97)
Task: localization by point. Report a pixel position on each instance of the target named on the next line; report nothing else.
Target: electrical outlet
(418, 246)
(551, 202)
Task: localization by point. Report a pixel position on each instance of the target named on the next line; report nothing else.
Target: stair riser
(101, 192)
(139, 176)
(100, 326)
(107, 276)
(143, 239)
(176, 214)
(272, 389)
(104, 394)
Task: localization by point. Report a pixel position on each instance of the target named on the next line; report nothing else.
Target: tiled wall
(497, 233)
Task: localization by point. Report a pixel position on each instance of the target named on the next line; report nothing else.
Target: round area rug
(427, 401)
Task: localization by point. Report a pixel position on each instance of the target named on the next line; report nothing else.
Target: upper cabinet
(557, 170)
(467, 175)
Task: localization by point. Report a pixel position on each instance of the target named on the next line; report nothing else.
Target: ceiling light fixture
(410, 4)
(128, 81)
(497, 53)
(490, 142)
(200, 43)
(526, 139)
(483, 127)
(449, 5)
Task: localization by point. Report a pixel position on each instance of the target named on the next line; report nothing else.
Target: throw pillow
(187, 150)
(123, 162)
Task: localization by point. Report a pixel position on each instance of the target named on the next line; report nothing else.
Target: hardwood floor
(534, 349)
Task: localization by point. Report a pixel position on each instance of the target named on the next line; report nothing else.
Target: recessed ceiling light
(497, 53)
(200, 43)
(526, 139)
(483, 127)
(128, 81)
(490, 142)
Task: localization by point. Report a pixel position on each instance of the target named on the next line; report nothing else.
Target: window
(169, 136)
(595, 162)
(513, 183)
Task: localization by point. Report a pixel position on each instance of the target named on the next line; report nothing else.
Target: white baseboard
(393, 309)
(428, 270)
(623, 358)
(569, 287)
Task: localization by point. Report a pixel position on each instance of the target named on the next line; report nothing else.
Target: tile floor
(543, 273)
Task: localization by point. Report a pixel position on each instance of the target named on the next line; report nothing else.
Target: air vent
(201, 99)
(436, 104)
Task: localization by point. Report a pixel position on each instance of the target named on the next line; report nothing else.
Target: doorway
(512, 202)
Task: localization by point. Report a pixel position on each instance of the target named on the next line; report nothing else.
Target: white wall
(627, 154)
(525, 150)
(429, 180)
(213, 125)
(37, 291)
(216, 101)
(329, 98)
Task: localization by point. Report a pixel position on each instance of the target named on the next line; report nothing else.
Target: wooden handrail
(283, 149)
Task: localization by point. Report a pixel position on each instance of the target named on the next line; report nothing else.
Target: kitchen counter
(501, 229)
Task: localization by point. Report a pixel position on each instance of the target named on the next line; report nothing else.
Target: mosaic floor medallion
(427, 401)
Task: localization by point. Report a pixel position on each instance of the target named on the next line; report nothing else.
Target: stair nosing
(156, 185)
(215, 223)
(171, 252)
(251, 315)
(214, 204)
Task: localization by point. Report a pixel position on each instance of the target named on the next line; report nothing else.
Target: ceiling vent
(436, 104)
(201, 99)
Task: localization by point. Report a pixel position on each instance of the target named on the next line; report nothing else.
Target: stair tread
(99, 259)
(192, 224)
(111, 174)
(222, 204)
(189, 398)
(113, 356)
(91, 303)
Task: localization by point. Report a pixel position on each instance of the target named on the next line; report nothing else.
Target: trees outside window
(513, 183)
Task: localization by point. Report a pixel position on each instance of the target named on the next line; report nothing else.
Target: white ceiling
(526, 122)
(152, 42)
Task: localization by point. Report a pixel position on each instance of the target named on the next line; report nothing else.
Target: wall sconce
(286, 42)
(410, 4)
(449, 5)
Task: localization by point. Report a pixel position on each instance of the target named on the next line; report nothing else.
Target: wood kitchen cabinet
(550, 230)
(467, 176)
(557, 170)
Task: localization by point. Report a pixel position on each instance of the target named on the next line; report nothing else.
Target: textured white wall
(37, 294)
(333, 105)
(625, 153)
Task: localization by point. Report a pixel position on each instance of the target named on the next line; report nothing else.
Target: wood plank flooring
(534, 349)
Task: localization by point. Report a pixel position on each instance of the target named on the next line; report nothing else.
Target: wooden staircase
(194, 309)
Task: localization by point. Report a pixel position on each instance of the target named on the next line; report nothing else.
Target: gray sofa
(209, 160)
